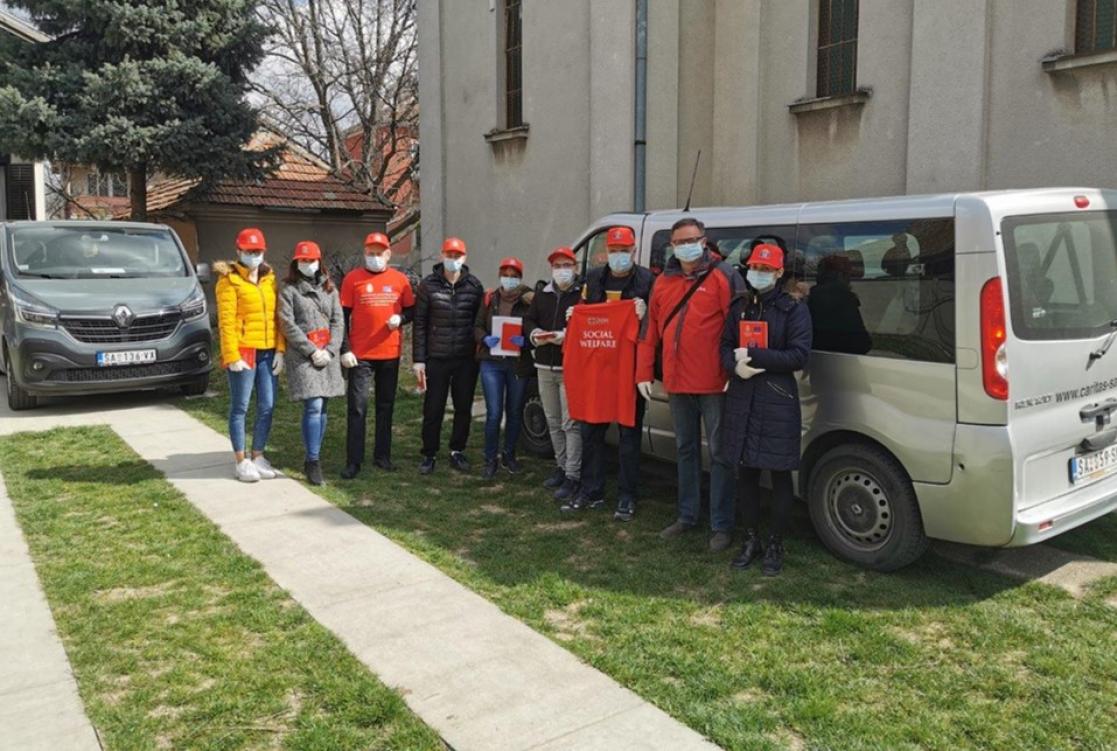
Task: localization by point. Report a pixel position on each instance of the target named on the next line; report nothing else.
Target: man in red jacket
(686, 314)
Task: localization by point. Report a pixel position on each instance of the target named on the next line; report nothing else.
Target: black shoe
(581, 502)
(750, 551)
(773, 557)
(458, 461)
(720, 542)
(350, 471)
(675, 530)
(568, 490)
(313, 472)
(626, 509)
(555, 480)
(512, 464)
(489, 472)
(385, 464)
(427, 466)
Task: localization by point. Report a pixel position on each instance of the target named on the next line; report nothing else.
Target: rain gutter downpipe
(640, 176)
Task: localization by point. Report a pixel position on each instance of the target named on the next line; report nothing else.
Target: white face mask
(308, 268)
(689, 252)
(510, 283)
(251, 260)
(563, 277)
(453, 265)
(620, 262)
(375, 263)
(761, 281)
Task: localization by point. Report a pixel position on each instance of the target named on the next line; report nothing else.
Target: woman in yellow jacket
(252, 348)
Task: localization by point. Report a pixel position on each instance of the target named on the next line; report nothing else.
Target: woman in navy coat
(762, 425)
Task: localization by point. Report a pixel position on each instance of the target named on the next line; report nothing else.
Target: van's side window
(883, 288)
(593, 252)
(732, 243)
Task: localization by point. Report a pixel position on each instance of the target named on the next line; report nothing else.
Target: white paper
(499, 322)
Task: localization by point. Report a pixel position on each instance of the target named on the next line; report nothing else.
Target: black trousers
(448, 378)
(593, 456)
(385, 374)
(783, 495)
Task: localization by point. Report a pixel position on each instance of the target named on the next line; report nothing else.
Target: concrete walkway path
(480, 678)
(39, 703)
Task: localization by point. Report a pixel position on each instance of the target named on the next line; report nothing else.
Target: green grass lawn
(176, 638)
(937, 656)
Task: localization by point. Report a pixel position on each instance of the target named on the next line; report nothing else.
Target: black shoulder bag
(671, 316)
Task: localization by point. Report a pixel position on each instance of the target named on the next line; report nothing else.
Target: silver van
(91, 307)
(963, 382)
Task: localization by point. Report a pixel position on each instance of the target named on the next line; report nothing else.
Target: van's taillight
(1081, 202)
(994, 359)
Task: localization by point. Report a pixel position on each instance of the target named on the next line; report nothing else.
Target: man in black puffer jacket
(444, 351)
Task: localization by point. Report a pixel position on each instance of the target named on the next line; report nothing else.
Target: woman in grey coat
(311, 319)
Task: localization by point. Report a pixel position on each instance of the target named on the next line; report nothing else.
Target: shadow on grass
(123, 473)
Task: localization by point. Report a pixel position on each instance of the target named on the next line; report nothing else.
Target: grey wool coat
(305, 306)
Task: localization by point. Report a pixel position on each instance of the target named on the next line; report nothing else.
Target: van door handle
(1100, 440)
(1099, 412)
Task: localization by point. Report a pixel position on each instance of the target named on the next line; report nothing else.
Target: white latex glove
(277, 364)
(741, 354)
(645, 389)
(349, 360)
(238, 367)
(746, 371)
(569, 312)
(420, 371)
(641, 309)
(320, 358)
(559, 338)
(394, 322)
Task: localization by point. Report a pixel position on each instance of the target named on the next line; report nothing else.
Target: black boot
(773, 557)
(750, 551)
(427, 466)
(350, 471)
(489, 472)
(313, 470)
(512, 464)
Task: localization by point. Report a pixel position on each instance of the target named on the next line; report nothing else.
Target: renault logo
(123, 316)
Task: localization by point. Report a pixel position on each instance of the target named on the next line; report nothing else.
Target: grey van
(963, 384)
(93, 307)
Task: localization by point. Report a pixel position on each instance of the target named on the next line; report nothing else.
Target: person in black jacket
(619, 279)
(443, 348)
(763, 421)
(545, 327)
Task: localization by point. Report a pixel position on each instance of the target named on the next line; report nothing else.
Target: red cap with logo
(767, 255)
(251, 239)
(453, 245)
(512, 263)
(377, 238)
(307, 251)
(620, 237)
(563, 253)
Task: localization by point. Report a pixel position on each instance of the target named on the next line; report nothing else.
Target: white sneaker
(247, 472)
(265, 469)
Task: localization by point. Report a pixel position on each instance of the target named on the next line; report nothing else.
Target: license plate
(127, 357)
(1095, 466)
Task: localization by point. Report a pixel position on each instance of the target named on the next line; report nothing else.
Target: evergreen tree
(140, 86)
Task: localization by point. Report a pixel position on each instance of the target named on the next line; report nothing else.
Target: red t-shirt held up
(599, 363)
(373, 299)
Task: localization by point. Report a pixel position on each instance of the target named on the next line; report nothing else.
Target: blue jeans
(504, 397)
(688, 412)
(314, 426)
(240, 392)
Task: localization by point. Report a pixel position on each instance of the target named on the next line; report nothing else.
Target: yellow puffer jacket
(246, 311)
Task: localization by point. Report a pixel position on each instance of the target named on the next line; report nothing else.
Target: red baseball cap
(377, 238)
(307, 251)
(512, 263)
(768, 255)
(562, 252)
(453, 245)
(620, 237)
(251, 239)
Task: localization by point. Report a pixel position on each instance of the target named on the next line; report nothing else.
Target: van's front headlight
(30, 311)
(194, 306)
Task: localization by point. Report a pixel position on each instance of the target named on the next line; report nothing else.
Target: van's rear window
(1062, 274)
(75, 252)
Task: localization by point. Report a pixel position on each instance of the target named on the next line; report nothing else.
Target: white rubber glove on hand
(277, 364)
(569, 312)
(394, 322)
(320, 358)
(559, 338)
(741, 354)
(349, 360)
(420, 371)
(645, 389)
(238, 367)
(641, 309)
(746, 371)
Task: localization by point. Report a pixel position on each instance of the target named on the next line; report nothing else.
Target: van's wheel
(535, 437)
(18, 398)
(196, 387)
(864, 508)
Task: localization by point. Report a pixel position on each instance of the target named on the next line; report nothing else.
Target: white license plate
(1095, 466)
(127, 357)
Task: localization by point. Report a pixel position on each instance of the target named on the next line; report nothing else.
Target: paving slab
(1068, 571)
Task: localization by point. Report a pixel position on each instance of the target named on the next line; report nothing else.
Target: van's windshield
(1062, 274)
(67, 252)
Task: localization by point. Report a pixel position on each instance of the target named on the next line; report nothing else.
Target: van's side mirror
(204, 272)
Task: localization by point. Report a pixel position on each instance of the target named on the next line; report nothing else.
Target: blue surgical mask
(563, 277)
(453, 265)
(308, 268)
(620, 262)
(375, 264)
(689, 252)
(251, 260)
(510, 283)
(761, 281)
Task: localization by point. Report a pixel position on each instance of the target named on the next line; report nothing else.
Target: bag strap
(686, 298)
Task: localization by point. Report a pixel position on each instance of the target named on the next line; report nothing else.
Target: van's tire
(18, 398)
(196, 387)
(535, 437)
(864, 508)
